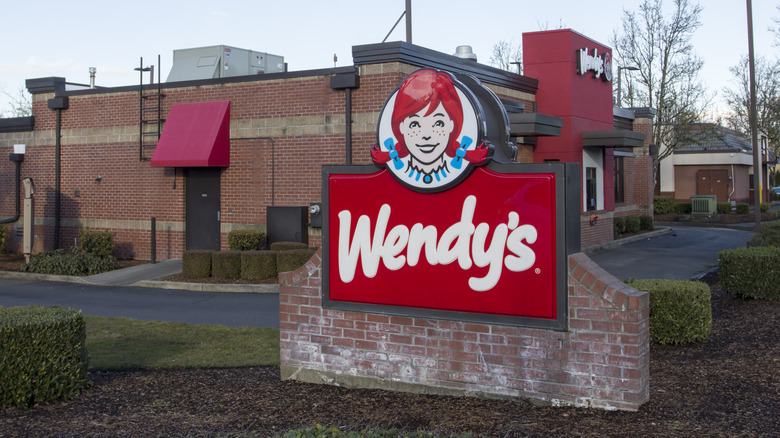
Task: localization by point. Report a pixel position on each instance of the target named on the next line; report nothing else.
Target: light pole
(620, 68)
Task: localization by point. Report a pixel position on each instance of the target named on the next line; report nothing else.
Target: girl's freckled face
(426, 137)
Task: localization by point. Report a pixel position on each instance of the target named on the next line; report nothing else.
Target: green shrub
(767, 235)
(620, 226)
(680, 310)
(632, 224)
(646, 223)
(286, 246)
(98, 243)
(43, 355)
(258, 265)
(724, 207)
(196, 264)
(226, 264)
(682, 207)
(246, 240)
(765, 207)
(293, 259)
(663, 204)
(743, 208)
(75, 262)
(750, 272)
(3, 234)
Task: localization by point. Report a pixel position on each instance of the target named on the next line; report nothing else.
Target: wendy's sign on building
(446, 224)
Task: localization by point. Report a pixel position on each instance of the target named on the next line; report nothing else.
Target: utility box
(704, 204)
(221, 62)
(287, 224)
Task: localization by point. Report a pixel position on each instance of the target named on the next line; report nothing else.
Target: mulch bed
(727, 386)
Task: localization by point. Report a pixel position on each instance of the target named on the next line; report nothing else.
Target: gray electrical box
(221, 62)
(287, 224)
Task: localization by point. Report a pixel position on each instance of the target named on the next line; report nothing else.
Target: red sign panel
(486, 246)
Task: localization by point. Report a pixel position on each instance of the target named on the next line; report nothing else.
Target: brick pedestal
(602, 361)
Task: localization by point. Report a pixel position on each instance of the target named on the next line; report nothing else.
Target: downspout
(348, 127)
(346, 81)
(58, 104)
(733, 183)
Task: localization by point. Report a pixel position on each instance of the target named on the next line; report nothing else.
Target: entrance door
(713, 182)
(202, 208)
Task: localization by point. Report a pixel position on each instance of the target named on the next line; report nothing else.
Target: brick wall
(601, 361)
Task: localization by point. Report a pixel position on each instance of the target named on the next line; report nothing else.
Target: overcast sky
(54, 38)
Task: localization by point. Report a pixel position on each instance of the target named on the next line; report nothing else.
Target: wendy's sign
(443, 228)
(599, 64)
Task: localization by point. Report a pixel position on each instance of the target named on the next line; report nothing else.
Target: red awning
(195, 135)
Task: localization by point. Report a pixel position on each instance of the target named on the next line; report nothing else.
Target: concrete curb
(660, 231)
(210, 287)
(171, 285)
(32, 276)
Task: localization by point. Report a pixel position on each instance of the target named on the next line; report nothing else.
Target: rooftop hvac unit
(221, 62)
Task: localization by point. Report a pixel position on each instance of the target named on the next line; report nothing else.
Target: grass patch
(122, 343)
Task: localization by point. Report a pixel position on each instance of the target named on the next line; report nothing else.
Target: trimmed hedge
(682, 207)
(646, 223)
(75, 262)
(258, 265)
(620, 225)
(750, 272)
(723, 207)
(43, 355)
(246, 240)
(196, 264)
(680, 310)
(293, 259)
(663, 204)
(98, 243)
(632, 224)
(743, 208)
(767, 235)
(226, 264)
(286, 246)
(3, 234)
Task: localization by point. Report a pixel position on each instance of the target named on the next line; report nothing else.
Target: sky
(54, 38)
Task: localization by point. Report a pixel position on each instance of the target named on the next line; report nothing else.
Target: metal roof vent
(465, 52)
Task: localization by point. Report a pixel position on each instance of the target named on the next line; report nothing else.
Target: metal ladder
(150, 111)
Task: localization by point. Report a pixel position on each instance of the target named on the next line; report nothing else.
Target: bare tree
(20, 103)
(767, 99)
(659, 45)
(507, 55)
(776, 30)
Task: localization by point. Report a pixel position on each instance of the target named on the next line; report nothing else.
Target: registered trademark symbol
(538, 271)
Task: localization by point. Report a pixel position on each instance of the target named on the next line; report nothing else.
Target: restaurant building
(183, 162)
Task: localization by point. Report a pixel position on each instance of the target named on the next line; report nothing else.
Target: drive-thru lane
(686, 252)
(151, 304)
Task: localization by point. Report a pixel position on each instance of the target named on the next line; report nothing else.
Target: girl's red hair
(427, 88)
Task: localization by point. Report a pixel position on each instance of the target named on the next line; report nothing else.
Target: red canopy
(195, 135)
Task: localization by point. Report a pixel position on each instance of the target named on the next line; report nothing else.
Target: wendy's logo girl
(428, 132)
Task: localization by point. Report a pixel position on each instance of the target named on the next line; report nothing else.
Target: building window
(590, 188)
(620, 186)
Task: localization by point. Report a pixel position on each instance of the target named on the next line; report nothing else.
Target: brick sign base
(602, 361)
